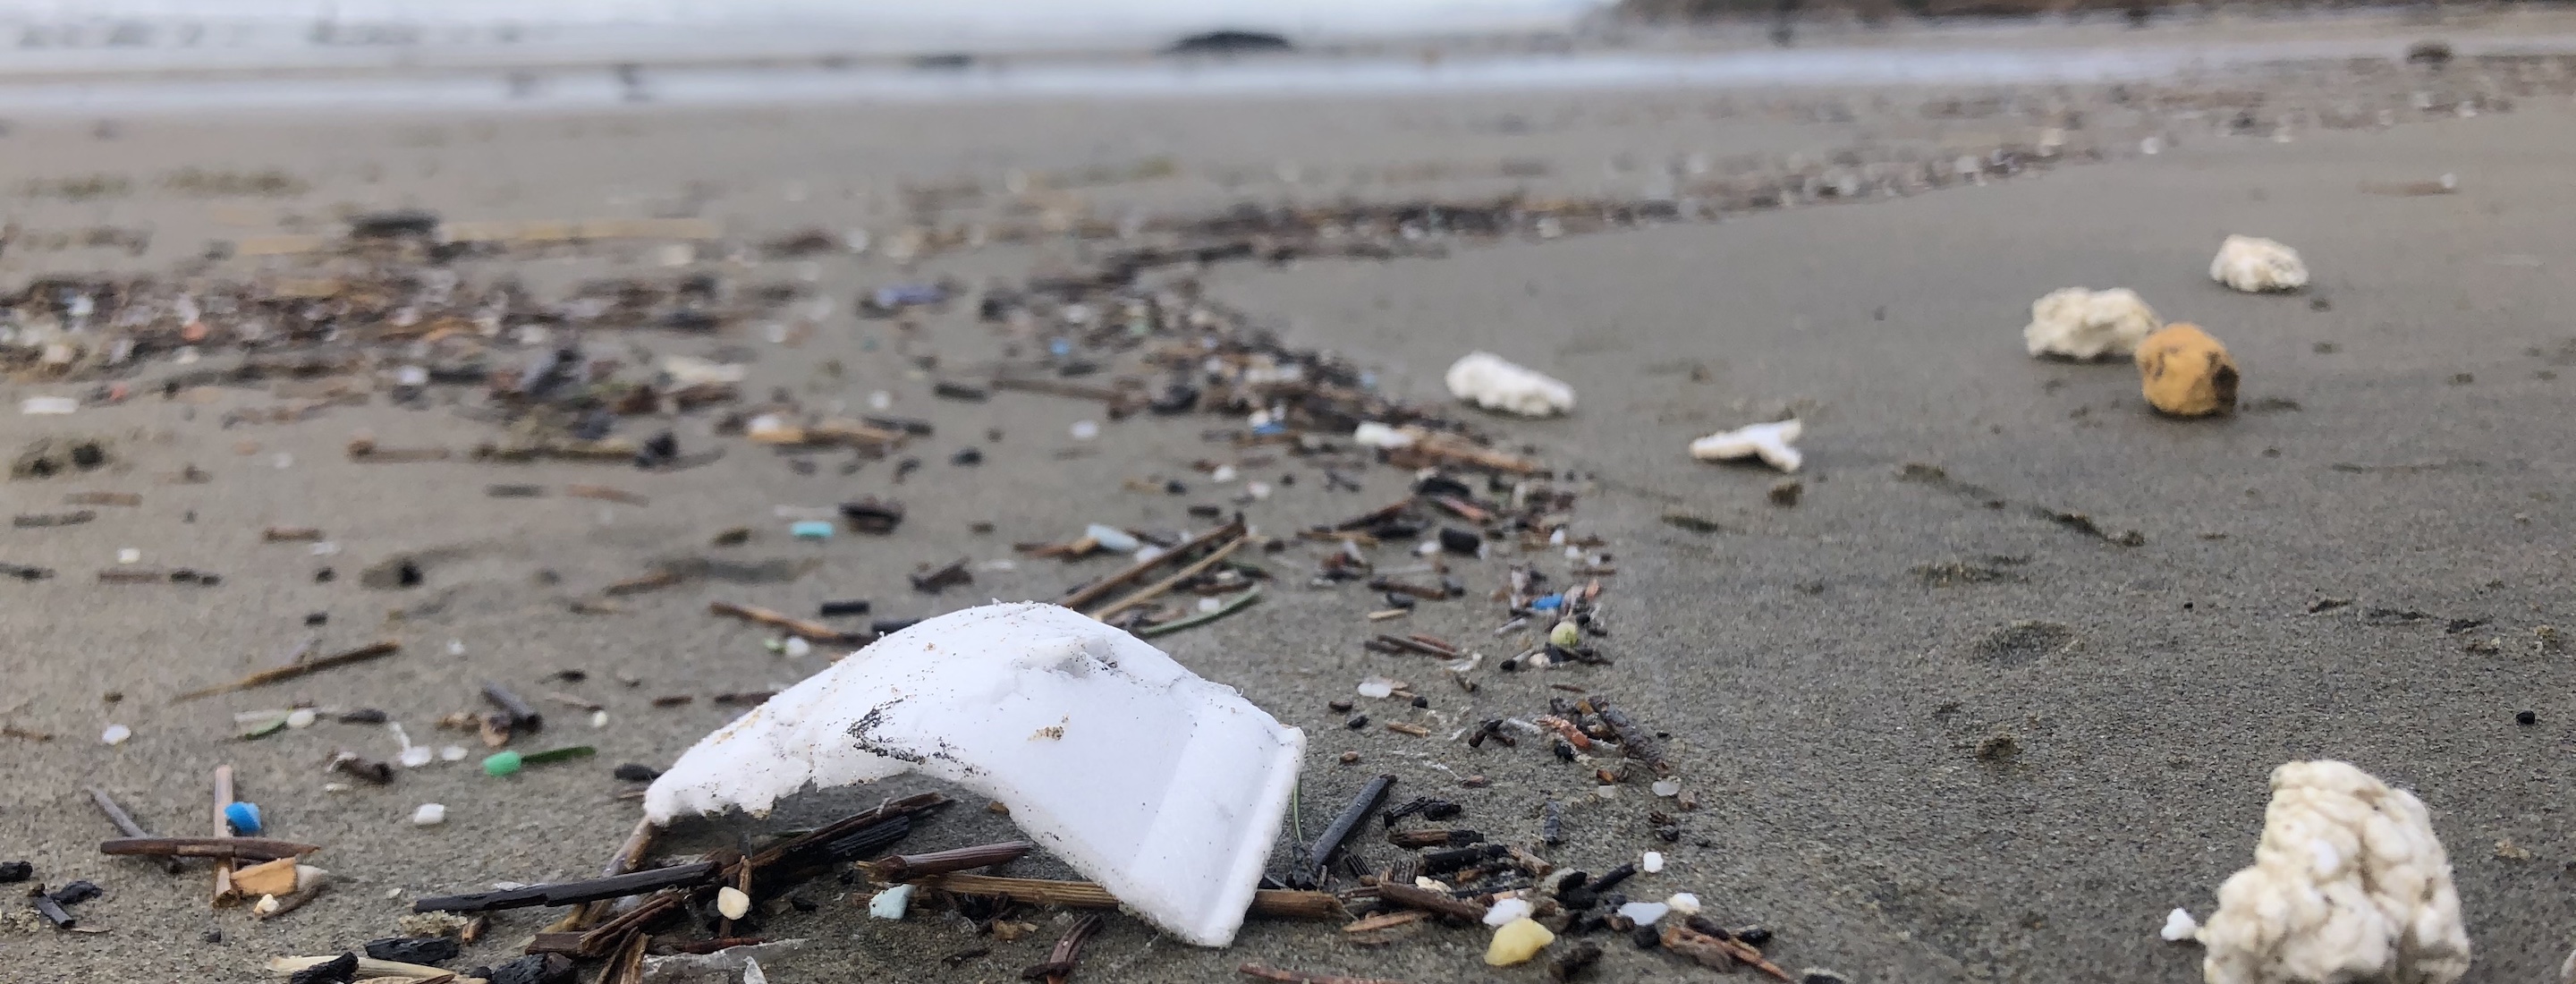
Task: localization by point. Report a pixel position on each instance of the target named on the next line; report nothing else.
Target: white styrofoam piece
(1495, 383)
(1165, 788)
(2078, 323)
(2256, 265)
(1770, 441)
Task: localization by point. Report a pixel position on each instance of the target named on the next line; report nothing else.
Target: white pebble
(116, 734)
(1651, 863)
(301, 717)
(1684, 903)
(1606, 792)
(283, 461)
(1377, 687)
(1645, 913)
(797, 648)
(325, 548)
(1507, 910)
(599, 719)
(1084, 430)
(891, 903)
(2180, 926)
(1210, 604)
(1223, 473)
(732, 903)
(429, 815)
(456, 647)
(452, 753)
(417, 755)
(128, 555)
(1257, 490)
(880, 400)
(1668, 787)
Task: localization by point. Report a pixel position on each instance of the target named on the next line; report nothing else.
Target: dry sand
(2403, 446)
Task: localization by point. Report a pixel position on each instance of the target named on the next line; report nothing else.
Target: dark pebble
(430, 950)
(803, 904)
(638, 772)
(2526, 717)
(1646, 937)
(847, 606)
(324, 576)
(316, 618)
(12, 872)
(363, 715)
(212, 936)
(967, 457)
(76, 893)
(1356, 722)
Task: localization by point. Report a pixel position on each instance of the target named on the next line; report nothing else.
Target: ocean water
(88, 57)
(136, 30)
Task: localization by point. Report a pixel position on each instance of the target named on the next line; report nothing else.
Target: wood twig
(1155, 590)
(568, 893)
(809, 631)
(228, 848)
(291, 671)
(628, 856)
(125, 823)
(1087, 594)
(1437, 903)
(1089, 895)
(224, 894)
(1297, 977)
(1067, 954)
(906, 867)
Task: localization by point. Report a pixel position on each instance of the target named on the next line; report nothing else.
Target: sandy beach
(2366, 562)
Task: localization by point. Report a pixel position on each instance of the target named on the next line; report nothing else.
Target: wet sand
(2400, 447)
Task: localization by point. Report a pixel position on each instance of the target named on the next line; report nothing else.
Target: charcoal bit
(341, 969)
(425, 950)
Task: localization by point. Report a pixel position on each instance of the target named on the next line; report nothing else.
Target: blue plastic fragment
(1060, 347)
(1545, 602)
(1267, 429)
(242, 817)
(811, 529)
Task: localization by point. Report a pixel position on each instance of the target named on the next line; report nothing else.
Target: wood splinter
(1298, 977)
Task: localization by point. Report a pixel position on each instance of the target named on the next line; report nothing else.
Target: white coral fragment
(2078, 323)
(2349, 884)
(2255, 265)
(1770, 442)
(1495, 383)
(1165, 788)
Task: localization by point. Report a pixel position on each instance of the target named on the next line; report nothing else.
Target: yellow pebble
(2186, 373)
(1517, 941)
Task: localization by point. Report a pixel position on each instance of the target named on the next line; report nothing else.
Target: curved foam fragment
(1165, 788)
